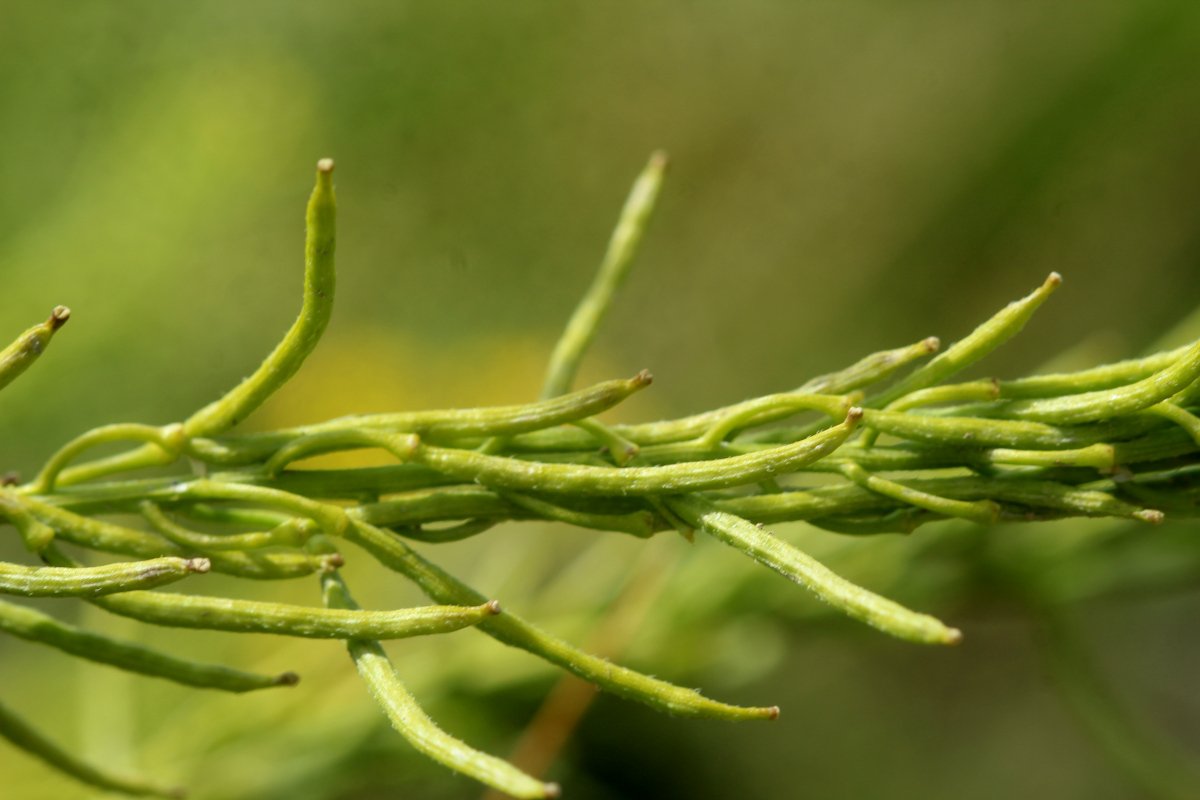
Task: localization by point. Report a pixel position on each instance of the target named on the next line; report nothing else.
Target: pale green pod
(109, 537)
(441, 425)
(400, 445)
(977, 431)
(37, 627)
(1180, 416)
(620, 449)
(585, 321)
(411, 721)
(987, 337)
(168, 439)
(637, 523)
(951, 393)
(514, 631)
(508, 473)
(1106, 376)
(872, 369)
(985, 512)
(252, 616)
(799, 567)
(36, 534)
(278, 367)
(20, 355)
(1115, 402)
(125, 576)
(292, 532)
(283, 362)
(22, 735)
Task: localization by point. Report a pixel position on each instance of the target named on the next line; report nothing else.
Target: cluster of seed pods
(839, 452)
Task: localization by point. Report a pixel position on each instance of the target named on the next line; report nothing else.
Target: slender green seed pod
(443, 425)
(20, 355)
(411, 721)
(453, 533)
(509, 473)
(400, 445)
(1107, 376)
(515, 632)
(872, 369)
(985, 512)
(331, 518)
(1180, 416)
(987, 337)
(290, 353)
(797, 566)
(109, 537)
(581, 328)
(952, 393)
(228, 515)
(1100, 456)
(978, 432)
(96, 581)
(1108, 403)
(619, 448)
(289, 533)
(36, 534)
(252, 616)
(169, 440)
(41, 628)
(774, 407)
(23, 735)
(637, 523)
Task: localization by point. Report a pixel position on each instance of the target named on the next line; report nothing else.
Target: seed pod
(20, 355)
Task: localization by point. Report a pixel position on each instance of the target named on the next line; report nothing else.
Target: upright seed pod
(20, 355)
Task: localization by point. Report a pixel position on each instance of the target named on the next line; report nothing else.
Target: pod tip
(660, 159)
(493, 606)
(854, 414)
(197, 565)
(1053, 279)
(1151, 515)
(773, 712)
(551, 790)
(59, 317)
(932, 344)
(325, 165)
(953, 636)
(287, 679)
(643, 378)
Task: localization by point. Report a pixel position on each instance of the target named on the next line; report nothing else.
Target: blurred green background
(845, 177)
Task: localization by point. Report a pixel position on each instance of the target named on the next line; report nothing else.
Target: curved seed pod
(289, 354)
(516, 632)
(585, 320)
(22, 735)
(434, 425)
(292, 532)
(978, 343)
(36, 534)
(979, 432)
(169, 440)
(109, 537)
(251, 616)
(453, 533)
(37, 627)
(985, 512)
(1107, 376)
(278, 367)
(637, 523)
(797, 566)
(508, 473)
(411, 721)
(620, 449)
(951, 393)
(400, 445)
(96, 581)
(1180, 416)
(20, 355)
(1107, 403)
(872, 369)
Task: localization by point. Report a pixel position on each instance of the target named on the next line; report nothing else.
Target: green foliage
(1113, 441)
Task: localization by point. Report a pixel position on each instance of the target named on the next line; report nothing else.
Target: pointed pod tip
(854, 414)
(643, 378)
(953, 636)
(197, 565)
(287, 679)
(59, 317)
(551, 790)
(1053, 279)
(325, 166)
(492, 606)
(932, 344)
(773, 713)
(660, 160)
(1151, 515)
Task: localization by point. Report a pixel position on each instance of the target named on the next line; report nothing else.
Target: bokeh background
(845, 177)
